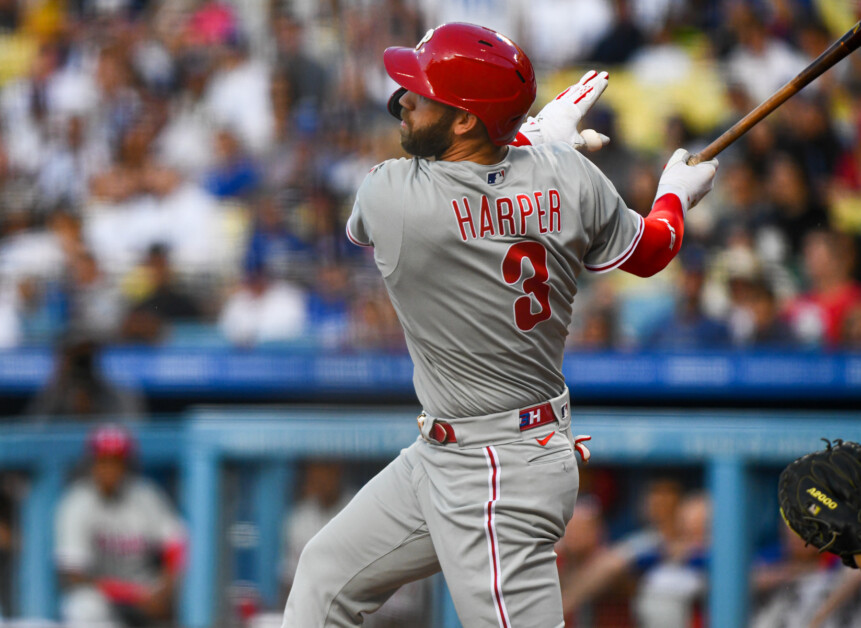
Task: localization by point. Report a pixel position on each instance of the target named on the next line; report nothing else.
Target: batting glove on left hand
(559, 119)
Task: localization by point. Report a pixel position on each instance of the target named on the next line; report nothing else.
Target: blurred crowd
(653, 570)
(181, 172)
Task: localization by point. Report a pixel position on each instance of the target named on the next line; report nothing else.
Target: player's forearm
(662, 238)
(593, 579)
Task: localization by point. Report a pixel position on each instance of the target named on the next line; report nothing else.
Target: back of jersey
(481, 264)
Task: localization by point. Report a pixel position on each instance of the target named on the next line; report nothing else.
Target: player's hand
(689, 183)
(558, 121)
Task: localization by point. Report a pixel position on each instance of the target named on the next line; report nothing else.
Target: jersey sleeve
(73, 549)
(377, 217)
(614, 229)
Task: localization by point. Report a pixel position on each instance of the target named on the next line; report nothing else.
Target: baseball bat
(836, 52)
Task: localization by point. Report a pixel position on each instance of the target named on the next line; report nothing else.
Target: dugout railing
(727, 444)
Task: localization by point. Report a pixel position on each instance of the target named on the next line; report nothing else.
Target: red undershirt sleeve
(520, 140)
(663, 230)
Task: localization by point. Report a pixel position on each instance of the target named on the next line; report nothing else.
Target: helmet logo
(425, 39)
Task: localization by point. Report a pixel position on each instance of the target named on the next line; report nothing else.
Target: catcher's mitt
(820, 499)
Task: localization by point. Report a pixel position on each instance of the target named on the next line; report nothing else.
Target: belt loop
(435, 430)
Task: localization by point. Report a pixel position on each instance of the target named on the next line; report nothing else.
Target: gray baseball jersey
(115, 538)
(481, 264)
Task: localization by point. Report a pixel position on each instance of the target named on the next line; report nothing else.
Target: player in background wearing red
(119, 544)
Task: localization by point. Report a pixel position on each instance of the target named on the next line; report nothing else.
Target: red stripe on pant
(501, 611)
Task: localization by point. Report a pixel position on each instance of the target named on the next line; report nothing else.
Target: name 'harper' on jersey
(507, 215)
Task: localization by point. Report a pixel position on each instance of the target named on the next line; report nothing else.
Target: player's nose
(408, 102)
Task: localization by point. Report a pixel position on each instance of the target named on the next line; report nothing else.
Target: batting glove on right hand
(559, 119)
(689, 183)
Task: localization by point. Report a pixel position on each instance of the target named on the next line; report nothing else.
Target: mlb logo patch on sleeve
(495, 178)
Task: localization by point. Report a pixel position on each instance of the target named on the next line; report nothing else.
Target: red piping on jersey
(663, 230)
(353, 239)
(620, 259)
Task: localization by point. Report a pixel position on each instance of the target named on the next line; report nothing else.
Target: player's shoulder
(551, 154)
(391, 168)
(384, 177)
(142, 488)
(81, 493)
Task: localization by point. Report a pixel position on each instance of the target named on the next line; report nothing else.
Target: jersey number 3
(512, 270)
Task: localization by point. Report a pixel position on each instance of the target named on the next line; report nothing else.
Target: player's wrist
(677, 191)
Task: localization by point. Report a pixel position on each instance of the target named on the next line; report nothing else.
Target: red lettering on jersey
(486, 219)
(555, 205)
(461, 219)
(524, 212)
(541, 212)
(505, 217)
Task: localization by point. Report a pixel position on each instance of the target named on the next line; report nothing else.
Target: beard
(432, 140)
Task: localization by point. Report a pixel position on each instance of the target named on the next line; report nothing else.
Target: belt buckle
(536, 416)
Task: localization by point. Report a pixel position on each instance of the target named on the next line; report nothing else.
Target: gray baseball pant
(488, 515)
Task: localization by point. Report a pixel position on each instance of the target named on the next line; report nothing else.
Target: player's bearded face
(430, 139)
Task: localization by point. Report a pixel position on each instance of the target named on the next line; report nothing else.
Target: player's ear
(464, 123)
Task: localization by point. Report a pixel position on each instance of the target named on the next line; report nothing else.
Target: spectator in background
(690, 327)
(755, 320)
(322, 496)
(329, 307)
(306, 79)
(671, 593)
(119, 544)
(794, 586)
(794, 210)
(79, 389)
(760, 62)
(584, 542)
(238, 93)
(263, 310)
(161, 303)
(234, 173)
(95, 304)
(635, 553)
(187, 142)
(621, 41)
(272, 245)
(818, 315)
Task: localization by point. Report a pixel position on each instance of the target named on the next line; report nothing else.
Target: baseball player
(119, 544)
(480, 245)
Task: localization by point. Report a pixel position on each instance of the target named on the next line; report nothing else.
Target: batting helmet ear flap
(394, 105)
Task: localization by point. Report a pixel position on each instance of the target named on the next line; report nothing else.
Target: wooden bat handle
(837, 51)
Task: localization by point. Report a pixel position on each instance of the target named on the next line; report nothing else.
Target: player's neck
(480, 152)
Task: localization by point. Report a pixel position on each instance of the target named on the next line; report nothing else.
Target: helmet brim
(402, 64)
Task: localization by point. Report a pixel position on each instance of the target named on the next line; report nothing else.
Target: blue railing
(726, 444)
(591, 376)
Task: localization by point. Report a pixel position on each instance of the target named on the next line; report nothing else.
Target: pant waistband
(499, 427)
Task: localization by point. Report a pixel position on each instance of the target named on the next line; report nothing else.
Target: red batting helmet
(111, 440)
(469, 67)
